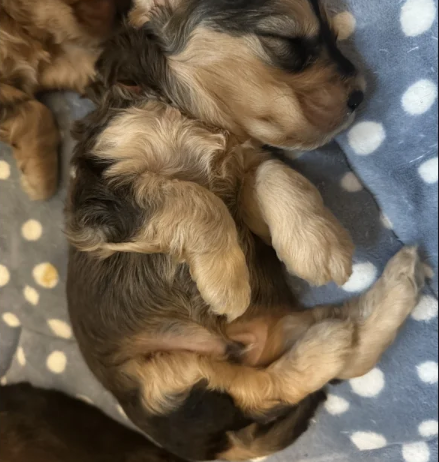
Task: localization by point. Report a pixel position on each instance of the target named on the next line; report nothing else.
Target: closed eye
(293, 54)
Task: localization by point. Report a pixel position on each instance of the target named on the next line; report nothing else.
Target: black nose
(355, 99)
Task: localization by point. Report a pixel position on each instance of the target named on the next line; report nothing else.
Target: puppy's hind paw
(406, 267)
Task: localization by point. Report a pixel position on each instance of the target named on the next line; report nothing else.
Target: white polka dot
(121, 411)
(385, 220)
(3, 381)
(416, 452)
(11, 320)
(429, 428)
(426, 310)
(370, 385)
(429, 171)
(84, 398)
(32, 230)
(56, 362)
(417, 17)
(420, 97)
(366, 137)
(363, 276)
(336, 405)
(46, 275)
(31, 295)
(351, 183)
(60, 328)
(4, 275)
(21, 358)
(344, 23)
(368, 441)
(428, 372)
(5, 170)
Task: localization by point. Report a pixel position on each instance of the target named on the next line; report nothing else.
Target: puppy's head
(270, 69)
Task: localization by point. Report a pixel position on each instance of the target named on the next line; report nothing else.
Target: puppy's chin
(294, 152)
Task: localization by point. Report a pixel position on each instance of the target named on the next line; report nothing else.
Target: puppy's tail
(264, 440)
(38, 425)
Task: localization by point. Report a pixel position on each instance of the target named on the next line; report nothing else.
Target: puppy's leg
(193, 225)
(376, 316)
(30, 129)
(281, 204)
(381, 312)
(316, 359)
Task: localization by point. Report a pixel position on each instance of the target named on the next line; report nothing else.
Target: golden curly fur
(45, 45)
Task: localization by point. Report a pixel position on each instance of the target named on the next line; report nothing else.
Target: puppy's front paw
(223, 280)
(320, 252)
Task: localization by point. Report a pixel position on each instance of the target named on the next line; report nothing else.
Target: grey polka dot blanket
(380, 178)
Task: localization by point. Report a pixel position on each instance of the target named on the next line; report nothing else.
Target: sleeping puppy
(176, 286)
(45, 45)
(46, 426)
(162, 211)
(174, 223)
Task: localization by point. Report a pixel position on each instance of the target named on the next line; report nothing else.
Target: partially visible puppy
(45, 45)
(47, 426)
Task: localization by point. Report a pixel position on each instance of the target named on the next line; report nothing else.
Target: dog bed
(381, 180)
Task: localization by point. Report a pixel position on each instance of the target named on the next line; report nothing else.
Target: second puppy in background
(46, 45)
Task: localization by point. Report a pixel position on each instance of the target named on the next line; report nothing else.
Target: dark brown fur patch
(47, 426)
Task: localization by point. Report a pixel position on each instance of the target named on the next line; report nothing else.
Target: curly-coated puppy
(45, 45)
(174, 222)
(160, 201)
(47, 426)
